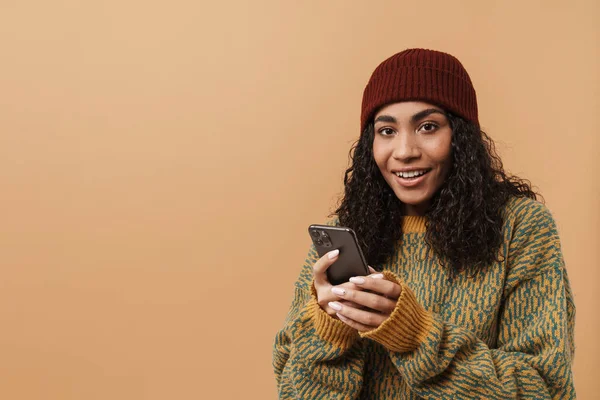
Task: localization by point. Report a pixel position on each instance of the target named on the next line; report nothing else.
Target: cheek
(441, 152)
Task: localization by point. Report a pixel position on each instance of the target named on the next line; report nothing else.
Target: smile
(411, 179)
(411, 174)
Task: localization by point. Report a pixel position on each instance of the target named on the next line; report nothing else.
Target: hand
(323, 287)
(376, 299)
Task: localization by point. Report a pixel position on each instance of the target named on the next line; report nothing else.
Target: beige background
(160, 162)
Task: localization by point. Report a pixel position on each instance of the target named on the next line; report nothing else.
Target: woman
(468, 298)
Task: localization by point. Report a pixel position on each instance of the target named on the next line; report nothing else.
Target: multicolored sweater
(504, 333)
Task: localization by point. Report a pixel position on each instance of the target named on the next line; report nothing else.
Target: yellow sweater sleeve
(316, 356)
(532, 358)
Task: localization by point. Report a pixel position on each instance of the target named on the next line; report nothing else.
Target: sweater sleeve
(316, 356)
(532, 358)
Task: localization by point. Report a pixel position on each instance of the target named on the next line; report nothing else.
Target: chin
(416, 202)
(413, 200)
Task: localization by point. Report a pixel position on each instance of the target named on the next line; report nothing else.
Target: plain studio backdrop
(161, 161)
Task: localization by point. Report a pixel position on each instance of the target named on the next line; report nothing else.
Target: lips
(411, 178)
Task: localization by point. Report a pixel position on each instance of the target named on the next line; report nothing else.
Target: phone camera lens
(319, 242)
(315, 234)
(325, 235)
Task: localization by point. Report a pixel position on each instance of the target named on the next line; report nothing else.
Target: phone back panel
(350, 262)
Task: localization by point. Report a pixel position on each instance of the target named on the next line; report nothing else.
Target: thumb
(321, 266)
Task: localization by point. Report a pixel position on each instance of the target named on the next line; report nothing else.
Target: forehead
(405, 109)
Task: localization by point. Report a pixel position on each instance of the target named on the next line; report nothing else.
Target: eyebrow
(417, 117)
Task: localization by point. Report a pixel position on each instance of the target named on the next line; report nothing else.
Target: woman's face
(412, 150)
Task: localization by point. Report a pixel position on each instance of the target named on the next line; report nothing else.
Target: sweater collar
(413, 224)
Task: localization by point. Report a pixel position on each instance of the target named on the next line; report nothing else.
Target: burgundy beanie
(419, 74)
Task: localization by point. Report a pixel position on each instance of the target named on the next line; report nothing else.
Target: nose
(406, 147)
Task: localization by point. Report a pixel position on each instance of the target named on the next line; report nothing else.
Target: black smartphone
(350, 262)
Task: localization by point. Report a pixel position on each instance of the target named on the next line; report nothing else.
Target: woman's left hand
(375, 297)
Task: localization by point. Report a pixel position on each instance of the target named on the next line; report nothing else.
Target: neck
(417, 210)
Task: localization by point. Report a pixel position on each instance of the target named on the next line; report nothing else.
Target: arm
(316, 356)
(533, 355)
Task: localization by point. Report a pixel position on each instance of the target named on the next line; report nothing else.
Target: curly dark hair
(464, 220)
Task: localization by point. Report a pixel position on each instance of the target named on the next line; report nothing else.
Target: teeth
(410, 174)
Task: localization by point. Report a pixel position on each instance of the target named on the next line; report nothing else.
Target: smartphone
(351, 261)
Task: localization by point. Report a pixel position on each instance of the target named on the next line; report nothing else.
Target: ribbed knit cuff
(407, 326)
(328, 328)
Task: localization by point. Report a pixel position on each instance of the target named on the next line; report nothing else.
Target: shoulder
(530, 234)
(520, 212)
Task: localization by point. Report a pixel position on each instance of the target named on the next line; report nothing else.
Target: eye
(386, 131)
(428, 127)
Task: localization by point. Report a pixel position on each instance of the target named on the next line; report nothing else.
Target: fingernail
(358, 280)
(340, 316)
(338, 291)
(377, 276)
(335, 305)
(333, 254)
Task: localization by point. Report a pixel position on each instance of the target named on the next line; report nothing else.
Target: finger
(377, 283)
(374, 301)
(349, 286)
(320, 267)
(325, 295)
(331, 312)
(364, 317)
(372, 270)
(324, 291)
(350, 303)
(354, 324)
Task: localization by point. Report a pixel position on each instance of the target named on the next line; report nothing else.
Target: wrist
(407, 326)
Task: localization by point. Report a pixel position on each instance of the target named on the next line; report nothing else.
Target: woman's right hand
(323, 287)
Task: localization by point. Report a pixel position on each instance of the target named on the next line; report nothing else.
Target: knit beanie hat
(419, 74)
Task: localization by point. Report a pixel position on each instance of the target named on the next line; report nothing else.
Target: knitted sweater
(504, 333)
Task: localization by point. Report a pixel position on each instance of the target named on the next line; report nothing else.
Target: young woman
(468, 296)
